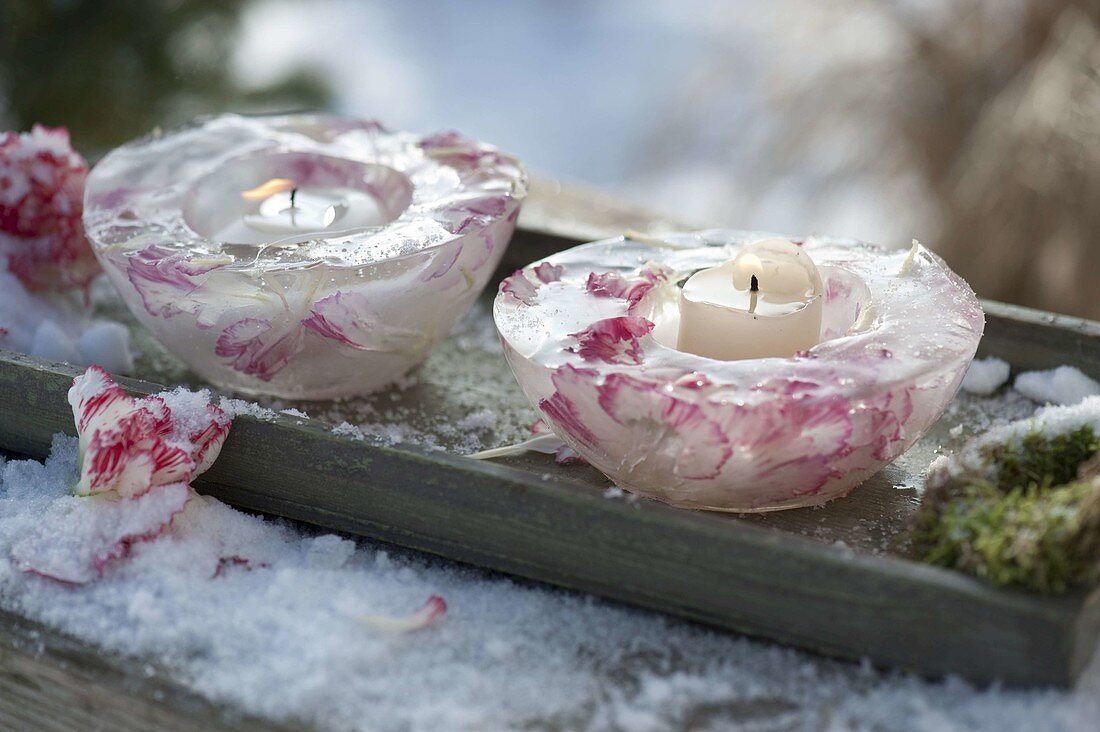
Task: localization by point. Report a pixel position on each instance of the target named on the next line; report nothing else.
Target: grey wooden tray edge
(51, 681)
(736, 576)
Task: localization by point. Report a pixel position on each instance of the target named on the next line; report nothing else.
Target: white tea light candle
(765, 302)
(293, 197)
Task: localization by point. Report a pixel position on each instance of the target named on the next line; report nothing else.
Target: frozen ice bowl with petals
(591, 336)
(301, 256)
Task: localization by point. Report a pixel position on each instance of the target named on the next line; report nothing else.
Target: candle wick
(293, 195)
(754, 284)
(754, 292)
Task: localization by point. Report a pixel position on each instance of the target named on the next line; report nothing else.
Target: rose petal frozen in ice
(479, 211)
(595, 352)
(519, 287)
(167, 280)
(458, 151)
(547, 273)
(41, 201)
(443, 264)
(350, 319)
(243, 314)
(254, 347)
(613, 340)
(563, 454)
(788, 441)
(631, 289)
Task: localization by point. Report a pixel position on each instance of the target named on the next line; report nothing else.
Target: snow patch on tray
(460, 401)
(59, 327)
(241, 407)
(1063, 385)
(346, 429)
(985, 376)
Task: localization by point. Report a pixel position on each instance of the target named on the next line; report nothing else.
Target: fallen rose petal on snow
(129, 446)
(429, 612)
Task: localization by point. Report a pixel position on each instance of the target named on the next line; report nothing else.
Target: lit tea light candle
(335, 197)
(765, 302)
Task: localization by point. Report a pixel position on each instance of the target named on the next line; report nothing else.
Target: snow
(985, 376)
(241, 407)
(346, 429)
(282, 635)
(60, 328)
(1063, 385)
(461, 400)
(1072, 401)
(108, 344)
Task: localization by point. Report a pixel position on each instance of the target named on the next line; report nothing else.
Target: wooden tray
(828, 579)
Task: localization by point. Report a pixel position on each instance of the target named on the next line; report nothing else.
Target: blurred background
(972, 125)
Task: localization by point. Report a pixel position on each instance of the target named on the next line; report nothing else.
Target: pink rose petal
(631, 289)
(519, 287)
(136, 461)
(563, 454)
(131, 459)
(547, 273)
(255, 348)
(696, 445)
(788, 445)
(433, 609)
(348, 318)
(443, 261)
(645, 425)
(612, 340)
(130, 446)
(478, 211)
(167, 281)
(452, 149)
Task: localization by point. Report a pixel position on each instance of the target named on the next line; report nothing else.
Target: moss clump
(1037, 527)
(1042, 461)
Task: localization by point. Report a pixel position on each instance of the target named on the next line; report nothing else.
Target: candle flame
(268, 188)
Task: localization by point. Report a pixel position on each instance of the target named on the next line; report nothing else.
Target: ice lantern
(301, 256)
(592, 335)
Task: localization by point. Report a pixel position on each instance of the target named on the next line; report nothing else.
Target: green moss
(1037, 527)
(1042, 461)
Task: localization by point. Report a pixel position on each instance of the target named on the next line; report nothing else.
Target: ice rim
(586, 333)
(137, 191)
(340, 317)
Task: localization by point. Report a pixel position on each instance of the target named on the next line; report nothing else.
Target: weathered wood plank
(49, 682)
(730, 574)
